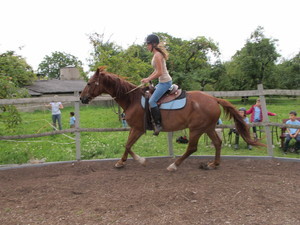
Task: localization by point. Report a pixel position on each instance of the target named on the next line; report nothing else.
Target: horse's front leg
(218, 144)
(134, 135)
(192, 147)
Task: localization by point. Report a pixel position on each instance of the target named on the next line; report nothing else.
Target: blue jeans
(58, 118)
(159, 91)
(124, 123)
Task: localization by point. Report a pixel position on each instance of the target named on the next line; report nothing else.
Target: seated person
(242, 112)
(292, 133)
(124, 122)
(219, 130)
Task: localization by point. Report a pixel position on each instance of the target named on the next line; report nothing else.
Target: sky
(37, 28)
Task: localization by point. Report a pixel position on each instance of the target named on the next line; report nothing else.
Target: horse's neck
(122, 103)
(123, 99)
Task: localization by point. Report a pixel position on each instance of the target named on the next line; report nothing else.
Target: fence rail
(260, 92)
(73, 130)
(253, 93)
(104, 97)
(48, 99)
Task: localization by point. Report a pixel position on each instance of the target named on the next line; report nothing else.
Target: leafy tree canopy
(14, 74)
(289, 73)
(51, 65)
(255, 62)
(128, 63)
(15, 68)
(194, 64)
(189, 61)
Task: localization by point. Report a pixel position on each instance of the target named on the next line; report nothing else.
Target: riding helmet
(242, 109)
(152, 39)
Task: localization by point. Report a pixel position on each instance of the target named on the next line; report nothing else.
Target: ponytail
(161, 48)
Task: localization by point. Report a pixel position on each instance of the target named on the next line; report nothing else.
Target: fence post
(77, 125)
(266, 119)
(170, 144)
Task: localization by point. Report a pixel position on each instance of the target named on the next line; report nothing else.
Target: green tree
(234, 78)
(209, 75)
(15, 68)
(14, 74)
(128, 63)
(190, 61)
(255, 62)
(225, 82)
(51, 65)
(289, 73)
(102, 51)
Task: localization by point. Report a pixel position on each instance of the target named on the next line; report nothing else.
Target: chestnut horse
(200, 115)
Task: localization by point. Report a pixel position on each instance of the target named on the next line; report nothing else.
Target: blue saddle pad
(175, 104)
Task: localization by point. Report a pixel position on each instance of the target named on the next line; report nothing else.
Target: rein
(141, 85)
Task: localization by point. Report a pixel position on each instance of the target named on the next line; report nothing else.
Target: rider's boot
(156, 119)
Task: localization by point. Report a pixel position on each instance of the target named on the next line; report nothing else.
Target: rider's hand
(145, 80)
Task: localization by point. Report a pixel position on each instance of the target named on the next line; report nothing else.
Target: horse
(200, 115)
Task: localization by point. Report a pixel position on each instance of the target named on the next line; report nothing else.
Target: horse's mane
(119, 86)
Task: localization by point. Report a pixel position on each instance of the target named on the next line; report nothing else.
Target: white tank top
(165, 77)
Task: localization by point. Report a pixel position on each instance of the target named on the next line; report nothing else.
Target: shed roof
(41, 87)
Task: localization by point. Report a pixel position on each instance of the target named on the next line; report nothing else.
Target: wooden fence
(77, 130)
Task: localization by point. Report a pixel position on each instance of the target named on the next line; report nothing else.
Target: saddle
(174, 98)
(173, 93)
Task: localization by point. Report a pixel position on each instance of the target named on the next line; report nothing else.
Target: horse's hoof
(142, 161)
(172, 167)
(203, 166)
(119, 165)
(207, 166)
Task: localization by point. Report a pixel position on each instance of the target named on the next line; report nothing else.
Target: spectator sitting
(242, 112)
(124, 123)
(292, 133)
(256, 115)
(219, 130)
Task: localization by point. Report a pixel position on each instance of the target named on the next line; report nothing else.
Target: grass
(111, 145)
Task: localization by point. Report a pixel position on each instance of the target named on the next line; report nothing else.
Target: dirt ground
(240, 191)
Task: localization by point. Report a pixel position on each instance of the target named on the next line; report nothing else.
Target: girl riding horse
(200, 115)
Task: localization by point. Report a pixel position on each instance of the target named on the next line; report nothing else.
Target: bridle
(95, 86)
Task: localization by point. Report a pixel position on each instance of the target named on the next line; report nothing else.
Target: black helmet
(152, 39)
(242, 109)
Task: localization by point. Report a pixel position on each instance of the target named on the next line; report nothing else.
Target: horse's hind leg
(134, 135)
(217, 143)
(192, 147)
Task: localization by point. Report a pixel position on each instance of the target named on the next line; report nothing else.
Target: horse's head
(93, 88)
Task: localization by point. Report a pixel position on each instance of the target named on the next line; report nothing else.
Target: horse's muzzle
(84, 100)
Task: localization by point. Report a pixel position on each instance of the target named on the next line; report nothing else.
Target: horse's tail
(240, 125)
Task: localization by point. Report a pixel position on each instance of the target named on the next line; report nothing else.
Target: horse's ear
(101, 68)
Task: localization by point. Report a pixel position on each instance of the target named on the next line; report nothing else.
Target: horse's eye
(88, 84)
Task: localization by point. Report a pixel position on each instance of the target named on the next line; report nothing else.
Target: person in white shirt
(56, 113)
